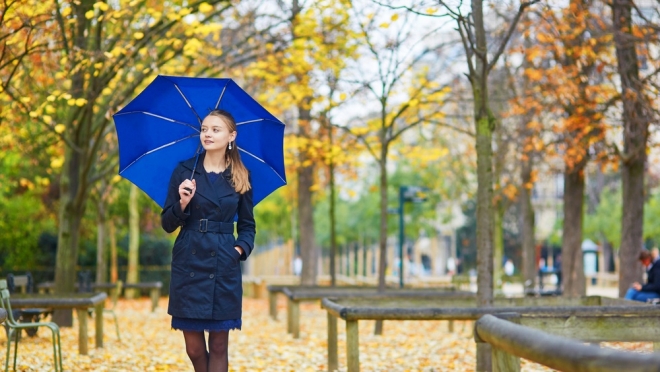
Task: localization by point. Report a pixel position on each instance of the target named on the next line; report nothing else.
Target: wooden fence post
(333, 363)
(352, 346)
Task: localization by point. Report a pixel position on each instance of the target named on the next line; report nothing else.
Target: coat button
(212, 254)
(211, 276)
(194, 251)
(197, 206)
(192, 274)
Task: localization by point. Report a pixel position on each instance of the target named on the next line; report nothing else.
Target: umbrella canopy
(161, 126)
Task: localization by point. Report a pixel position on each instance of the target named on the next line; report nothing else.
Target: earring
(230, 145)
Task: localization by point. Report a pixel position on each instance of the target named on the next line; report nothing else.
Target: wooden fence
(510, 341)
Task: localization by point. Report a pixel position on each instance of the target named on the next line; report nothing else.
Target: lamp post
(415, 194)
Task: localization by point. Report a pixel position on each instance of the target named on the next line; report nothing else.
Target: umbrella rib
(221, 95)
(261, 160)
(188, 103)
(158, 148)
(158, 116)
(250, 121)
(262, 119)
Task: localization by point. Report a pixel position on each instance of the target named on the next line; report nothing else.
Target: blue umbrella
(161, 126)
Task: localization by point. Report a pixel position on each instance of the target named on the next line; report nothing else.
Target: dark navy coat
(206, 275)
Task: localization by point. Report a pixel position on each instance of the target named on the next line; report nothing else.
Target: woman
(205, 289)
(650, 290)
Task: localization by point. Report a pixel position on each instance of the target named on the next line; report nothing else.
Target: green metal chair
(16, 327)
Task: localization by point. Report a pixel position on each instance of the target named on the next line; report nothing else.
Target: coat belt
(205, 225)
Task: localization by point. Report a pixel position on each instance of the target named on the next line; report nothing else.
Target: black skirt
(209, 325)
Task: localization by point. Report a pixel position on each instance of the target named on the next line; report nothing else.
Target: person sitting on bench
(651, 289)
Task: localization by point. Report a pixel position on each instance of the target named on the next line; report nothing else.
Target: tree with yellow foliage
(294, 80)
(98, 56)
(402, 89)
(21, 22)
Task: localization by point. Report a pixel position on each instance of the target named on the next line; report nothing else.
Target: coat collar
(213, 192)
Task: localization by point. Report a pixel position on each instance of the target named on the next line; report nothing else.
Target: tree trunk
(484, 137)
(498, 244)
(484, 213)
(572, 266)
(632, 175)
(132, 275)
(114, 269)
(528, 264)
(484, 124)
(594, 190)
(382, 252)
(101, 264)
(71, 212)
(635, 122)
(306, 223)
(73, 183)
(333, 226)
(572, 258)
(382, 262)
(308, 252)
(527, 214)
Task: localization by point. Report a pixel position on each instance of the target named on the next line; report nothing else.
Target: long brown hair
(239, 174)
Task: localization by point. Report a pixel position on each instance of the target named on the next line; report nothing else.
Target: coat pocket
(229, 257)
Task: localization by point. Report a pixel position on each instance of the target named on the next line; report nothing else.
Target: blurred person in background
(651, 289)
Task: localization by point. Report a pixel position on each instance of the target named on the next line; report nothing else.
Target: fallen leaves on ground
(149, 344)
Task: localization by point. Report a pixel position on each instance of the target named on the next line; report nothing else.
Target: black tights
(213, 360)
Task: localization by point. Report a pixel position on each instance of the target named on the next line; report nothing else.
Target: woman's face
(215, 134)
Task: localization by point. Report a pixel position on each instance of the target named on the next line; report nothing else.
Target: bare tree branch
(411, 10)
(512, 28)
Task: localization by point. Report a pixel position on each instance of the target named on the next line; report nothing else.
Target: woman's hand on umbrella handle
(186, 192)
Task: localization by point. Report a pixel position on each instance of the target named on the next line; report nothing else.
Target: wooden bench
(554, 314)
(461, 281)
(432, 281)
(603, 279)
(81, 302)
(253, 287)
(273, 291)
(49, 287)
(296, 295)
(154, 291)
(153, 287)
